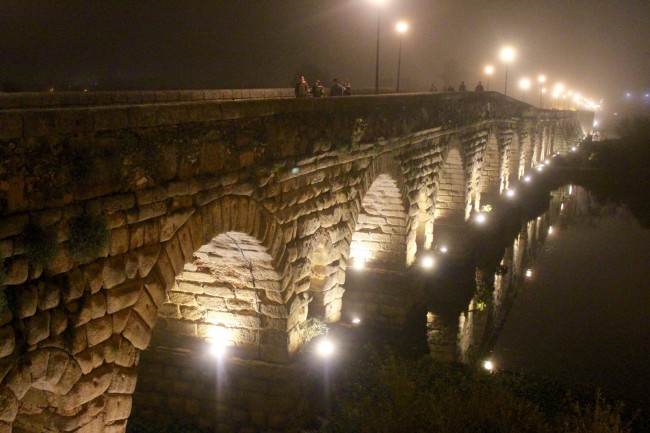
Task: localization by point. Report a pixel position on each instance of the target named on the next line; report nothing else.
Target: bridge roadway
(157, 223)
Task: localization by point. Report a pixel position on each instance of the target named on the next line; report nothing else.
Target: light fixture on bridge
(219, 339)
(488, 365)
(356, 320)
(427, 262)
(561, 207)
(547, 161)
(489, 70)
(573, 148)
(539, 168)
(443, 249)
(507, 54)
(325, 347)
(570, 189)
(550, 230)
(295, 170)
(529, 273)
(541, 80)
(524, 85)
(527, 179)
(358, 263)
(510, 193)
(480, 218)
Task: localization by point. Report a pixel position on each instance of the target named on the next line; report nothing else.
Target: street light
(507, 55)
(489, 70)
(541, 80)
(557, 92)
(401, 28)
(524, 84)
(377, 3)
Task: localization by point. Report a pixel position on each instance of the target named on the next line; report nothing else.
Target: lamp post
(541, 80)
(524, 85)
(507, 55)
(378, 3)
(557, 93)
(401, 28)
(489, 70)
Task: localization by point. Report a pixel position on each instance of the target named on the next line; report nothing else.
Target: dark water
(583, 315)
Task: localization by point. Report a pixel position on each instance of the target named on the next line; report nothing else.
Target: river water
(581, 313)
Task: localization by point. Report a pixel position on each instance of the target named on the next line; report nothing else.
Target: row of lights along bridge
(563, 98)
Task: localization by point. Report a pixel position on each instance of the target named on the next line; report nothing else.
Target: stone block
(27, 301)
(147, 309)
(113, 272)
(17, 271)
(99, 330)
(119, 241)
(119, 320)
(155, 289)
(97, 304)
(123, 296)
(37, 328)
(118, 407)
(137, 332)
(13, 225)
(169, 224)
(6, 248)
(48, 296)
(8, 405)
(123, 381)
(93, 276)
(58, 322)
(7, 341)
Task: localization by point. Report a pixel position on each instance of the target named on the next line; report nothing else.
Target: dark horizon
(597, 48)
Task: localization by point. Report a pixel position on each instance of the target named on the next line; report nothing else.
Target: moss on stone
(88, 236)
(40, 244)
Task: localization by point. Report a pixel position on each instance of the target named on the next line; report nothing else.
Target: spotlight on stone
(325, 348)
(573, 149)
(480, 218)
(529, 273)
(427, 262)
(488, 365)
(356, 320)
(219, 339)
(359, 263)
(443, 249)
(540, 168)
(527, 179)
(510, 193)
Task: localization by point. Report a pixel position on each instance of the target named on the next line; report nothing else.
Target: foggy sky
(597, 47)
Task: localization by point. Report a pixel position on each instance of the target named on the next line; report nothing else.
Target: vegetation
(387, 394)
(40, 244)
(88, 236)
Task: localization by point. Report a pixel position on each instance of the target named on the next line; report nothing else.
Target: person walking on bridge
(479, 87)
(336, 89)
(302, 88)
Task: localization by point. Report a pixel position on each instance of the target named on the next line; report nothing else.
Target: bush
(40, 244)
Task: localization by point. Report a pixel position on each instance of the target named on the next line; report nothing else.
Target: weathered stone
(119, 241)
(92, 273)
(37, 328)
(58, 322)
(137, 332)
(124, 381)
(8, 405)
(97, 304)
(62, 261)
(13, 225)
(147, 257)
(17, 271)
(114, 272)
(48, 296)
(123, 296)
(7, 341)
(27, 301)
(118, 407)
(171, 223)
(6, 248)
(88, 387)
(99, 330)
(146, 308)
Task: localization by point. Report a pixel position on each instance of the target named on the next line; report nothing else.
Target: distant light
(527, 179)
(615, 114)
(427, 262)
(295, 170)
(524, 84)
(539, 168)
(510, 193)
(480, 218)
(561, 207)
(325, 348)
(647, 95)
(543, 89)
(402, 26)
(547, 161)
(488, 365)
(529, 273)
(507, 54)
(573, 148)
(628, 94)
(359, 263)
(219, 339)
(356, 320)
(541, 79)
(443, 249)
(489, 69)
(595, 123)
(550, 230)
(570, 189)
(558, 88)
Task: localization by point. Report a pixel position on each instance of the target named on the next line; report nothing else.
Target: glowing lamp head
(507, 54)
(488, 365)
(489, 69)
(529, 273)
(540, 168)
(325, 348)
(541, 79)
(558, 88)
(510, 193)
(427, 262)
(573, 148)
(527, 179)
(480, 218)
(550, 230)
(524, 84)
(444, 249)
(378, 2)
(402, 27)
(356, 320)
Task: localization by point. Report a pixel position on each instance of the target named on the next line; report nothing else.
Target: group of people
(461, 87)
(317, 90)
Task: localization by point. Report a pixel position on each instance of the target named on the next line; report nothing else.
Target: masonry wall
(102, 206)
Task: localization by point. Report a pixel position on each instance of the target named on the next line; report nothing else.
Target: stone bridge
(171, 220)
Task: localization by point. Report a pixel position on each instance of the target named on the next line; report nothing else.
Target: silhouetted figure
(317, 89)
(302, 88)
(450, 88)
(433, 87)
(336, 89)
(479, 87)
(462, 87)
(347, 88)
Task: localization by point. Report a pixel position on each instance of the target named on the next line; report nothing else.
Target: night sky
(600, 48)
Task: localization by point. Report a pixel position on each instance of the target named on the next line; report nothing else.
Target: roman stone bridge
(170, 220)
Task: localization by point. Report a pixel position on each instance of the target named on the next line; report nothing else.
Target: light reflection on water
(570, 302)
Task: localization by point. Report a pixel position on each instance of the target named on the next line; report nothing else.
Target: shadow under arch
(382, 247)
(494, 174)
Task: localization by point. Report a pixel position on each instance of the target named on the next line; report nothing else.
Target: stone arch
(240, 218)
(451, 202)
